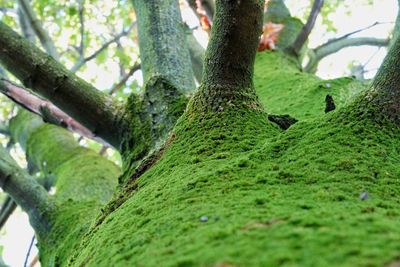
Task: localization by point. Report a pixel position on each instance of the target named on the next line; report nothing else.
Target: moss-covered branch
(40, 72)
(85, 181)
(26, 192)
(333, 46)
(228, 67)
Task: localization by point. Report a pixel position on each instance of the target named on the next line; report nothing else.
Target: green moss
(71, 221)
(280, 198)
(284, 89)
(232, 189)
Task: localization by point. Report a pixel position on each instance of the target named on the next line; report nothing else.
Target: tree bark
(228, 67)
(162, 43)
(384, 96)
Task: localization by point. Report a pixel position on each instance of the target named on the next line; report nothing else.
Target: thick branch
(90, 107)
(333, 46)
(228, 66)
(41, 33)
(26, 192)
(44, 108)
(307, 28)
(162, 43)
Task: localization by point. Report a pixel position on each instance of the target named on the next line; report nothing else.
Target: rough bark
(73, 95)
(228, 67)
(384, 97)
(161, 39)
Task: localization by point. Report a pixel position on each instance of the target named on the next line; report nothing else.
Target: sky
(18, 233)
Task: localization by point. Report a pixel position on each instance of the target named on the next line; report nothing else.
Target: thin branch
(48, 78)
(316, 54)
(41, 33)
(45, 109)
(26, 192)
(29, 251)
(307, 28)
(356, 31)
(6, 210)
(82, 29)
(26, 28)
(6, 10)
(82, 61)
(122, 82)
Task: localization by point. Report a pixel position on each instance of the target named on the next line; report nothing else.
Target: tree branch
(26, 192)
(82, 29)
(307, 28)
(82, 61)
(26, 28)
(45, 76)
(41, 33)
(333, 46)
(162, 21)
(124, 79)
(229, 62)
(45, 109)
(6, 210)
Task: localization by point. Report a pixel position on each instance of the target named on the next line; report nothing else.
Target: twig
(29, 251)
(121, 83)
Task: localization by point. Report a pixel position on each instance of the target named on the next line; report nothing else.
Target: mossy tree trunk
(229, 188)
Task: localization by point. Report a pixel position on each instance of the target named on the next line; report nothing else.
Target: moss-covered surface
(284, 89)
(234, 190)
(85, 181)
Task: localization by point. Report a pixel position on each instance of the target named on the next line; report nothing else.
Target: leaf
(269, 36)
